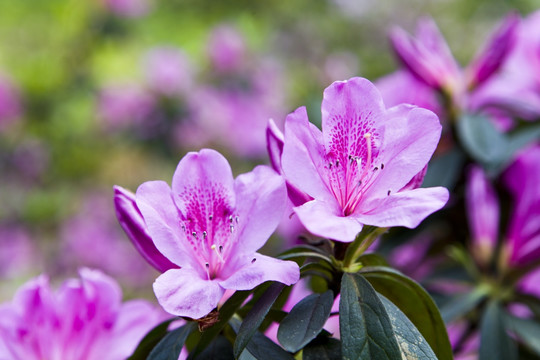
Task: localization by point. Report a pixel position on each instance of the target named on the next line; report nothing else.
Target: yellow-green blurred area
(60, 54)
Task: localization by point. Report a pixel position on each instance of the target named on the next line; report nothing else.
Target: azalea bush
(392, 215)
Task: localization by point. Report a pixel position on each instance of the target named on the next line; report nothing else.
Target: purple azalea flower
(428, 57)
(84, 319)
(168, 72)
(132, 221)
(356, 168)
(19, 254)
(211, 225)
(517, 87)
(483, 214)
(523, 235)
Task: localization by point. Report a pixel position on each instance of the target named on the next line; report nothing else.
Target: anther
(389, 191)
(237, 219)
(218, 253)
(210, 217)
(231, 228)
(204, 234)
(194, 234)
(382, 166)
(252, 261)
(230, 218)
(375, 168)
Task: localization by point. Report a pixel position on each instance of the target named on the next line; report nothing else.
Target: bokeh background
(102, 92)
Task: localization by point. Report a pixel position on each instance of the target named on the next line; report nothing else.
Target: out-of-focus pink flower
(10, 103)
(428, 57)
(132, 221)
(226, 48)
(128, 8)
(18, 254)
(464, 348)
(211, 226)
(122, 106)
(523, 236)
(517, 88)
(168, 71)
(31, 159)
(401, 87)
(482, 214)
(94, 227)
(343, 65)
(356, 168)
(84, 319)
(412, 257)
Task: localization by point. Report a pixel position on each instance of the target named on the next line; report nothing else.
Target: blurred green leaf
(365, 328)
(416, 304)
(322, 348)
(305, 321)
(462, 304)
(495, 344)
(171, 345)
(219, 349)
(527, 330)
(445, 169)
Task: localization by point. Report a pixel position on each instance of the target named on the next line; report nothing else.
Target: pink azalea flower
(428, 57)
(211, 225)
(84, 319)
(483, 214)
(128, 8)
(226, 48)
(356, 168)
(130, 218)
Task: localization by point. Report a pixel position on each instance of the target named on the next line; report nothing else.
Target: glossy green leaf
(170, 346)
(411, 342)
(305, 321)
(415, 303)
(495, 344)
(322, 348)
(365, 328)
(372, 259)
(150, 340)
(255, 317)
(479, 137)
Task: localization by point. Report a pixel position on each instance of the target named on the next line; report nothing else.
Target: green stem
(362, 242)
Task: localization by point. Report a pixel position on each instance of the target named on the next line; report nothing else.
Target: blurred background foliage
(59, 159)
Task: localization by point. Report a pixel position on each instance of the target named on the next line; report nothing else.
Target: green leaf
(225, 313)
(219, 349)
(365, 328)
(150, 340)
(255, 317)
(170, 346)
(322, 348)
(462, 304)
(495, 344)
(415, 303)
(411, 342)
(528, 331)
(305, 321)
(259, 346)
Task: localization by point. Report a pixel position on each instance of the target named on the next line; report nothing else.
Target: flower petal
(303, 155)
(201, 170)
(274, 144)
(409, 138)
(260, 269)
(182, 292)
(326, 220)
(261, 198)
(132, 221)
(154, 200)
(407, 208)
